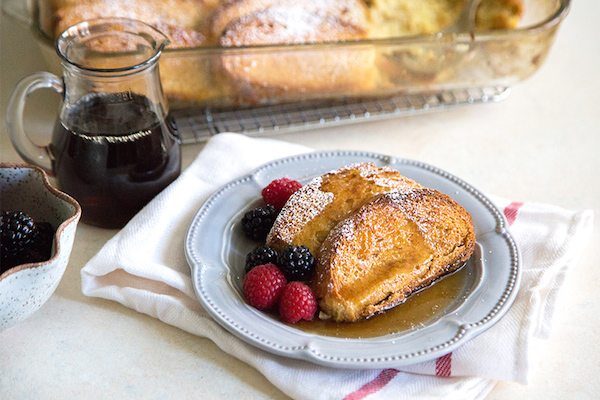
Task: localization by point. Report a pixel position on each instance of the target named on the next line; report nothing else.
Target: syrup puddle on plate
(419, 310)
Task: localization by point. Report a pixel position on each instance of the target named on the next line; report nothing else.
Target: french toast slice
(393, 246)
(264, 77)
(183, 21)
(349, 13)
(316, 208)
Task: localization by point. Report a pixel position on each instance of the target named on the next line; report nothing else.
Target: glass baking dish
(237, 77)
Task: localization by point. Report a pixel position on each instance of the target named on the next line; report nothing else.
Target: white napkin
(143, 267)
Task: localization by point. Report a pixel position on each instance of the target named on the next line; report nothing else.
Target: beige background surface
(542, 144)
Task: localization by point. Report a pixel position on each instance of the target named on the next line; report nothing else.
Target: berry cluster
(275, 280)
(257, 222)
(266, 288)
(22, 240)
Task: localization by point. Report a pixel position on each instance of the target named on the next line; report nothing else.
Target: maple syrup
(419, 310)
(113, 154)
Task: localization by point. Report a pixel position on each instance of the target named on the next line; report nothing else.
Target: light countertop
(541, 144)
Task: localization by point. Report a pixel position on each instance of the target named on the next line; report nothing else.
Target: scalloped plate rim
(305, 349)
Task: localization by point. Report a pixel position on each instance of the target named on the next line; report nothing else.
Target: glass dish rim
(449, 38)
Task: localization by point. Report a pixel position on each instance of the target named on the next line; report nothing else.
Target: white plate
(216, 248)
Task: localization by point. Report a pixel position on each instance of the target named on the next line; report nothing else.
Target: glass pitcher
(114, 146)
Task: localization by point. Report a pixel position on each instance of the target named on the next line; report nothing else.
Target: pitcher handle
(20, 10)
(29, 151)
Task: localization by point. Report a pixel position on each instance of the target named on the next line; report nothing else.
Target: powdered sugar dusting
(377, 175)
(406, 199)
(346, 230)
(302, 207)
(178, 20)
(425, 208)
(371, 172)
(268, 22)
(288, 25)
(311, 200)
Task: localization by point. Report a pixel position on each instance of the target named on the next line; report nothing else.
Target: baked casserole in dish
(239, 53)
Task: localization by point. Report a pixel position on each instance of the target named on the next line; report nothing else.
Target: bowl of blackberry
(37, 229)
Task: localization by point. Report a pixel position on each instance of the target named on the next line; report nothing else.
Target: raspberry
(263, 286)
(279, 191)
(296, 263)
(260, 255)
(257, 223)
(297, 302)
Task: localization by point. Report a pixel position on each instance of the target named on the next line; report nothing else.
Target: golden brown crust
(499, 14)
(268, 77)
(390, 248)
(186, 80)
(288, 25)
(180, 20)
(348, 15)
(393, 18)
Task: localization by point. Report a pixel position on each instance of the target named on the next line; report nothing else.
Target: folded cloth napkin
(154, 279)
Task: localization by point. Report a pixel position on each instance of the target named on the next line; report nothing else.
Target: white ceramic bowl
(24, 288)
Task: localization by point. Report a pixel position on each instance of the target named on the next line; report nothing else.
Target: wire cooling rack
(197, 125)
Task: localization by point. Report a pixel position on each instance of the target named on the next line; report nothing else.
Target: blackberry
(257, 223)
(17, 233)
(259, 256)
(42, 246)
(296, 263)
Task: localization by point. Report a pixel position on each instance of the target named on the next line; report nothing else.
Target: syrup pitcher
(114, 146)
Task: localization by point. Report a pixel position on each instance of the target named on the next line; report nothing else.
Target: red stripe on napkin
(384, 377)
(443, 365)
(511, 211)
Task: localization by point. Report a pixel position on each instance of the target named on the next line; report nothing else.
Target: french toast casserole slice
(392, 247)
